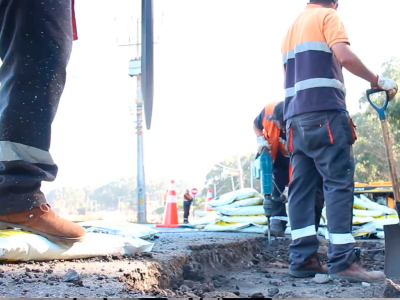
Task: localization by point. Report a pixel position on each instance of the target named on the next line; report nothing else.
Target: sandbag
(362, 220)
(364, 203)
(16, 245)
(261, 220)
(255, 229)
(385, 220)
(246, 202)
(364, 230)
(367, 213)
(241, 211)
(230, 197)
(222, 226)
(120, 228)
(206, 220)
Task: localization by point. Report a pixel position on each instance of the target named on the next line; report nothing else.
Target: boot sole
(53, 238)
(352, 279)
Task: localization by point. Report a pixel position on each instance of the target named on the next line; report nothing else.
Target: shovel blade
(392, 250)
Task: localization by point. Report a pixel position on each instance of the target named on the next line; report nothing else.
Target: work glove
(262, 142)
(285, 194)
(386, 84)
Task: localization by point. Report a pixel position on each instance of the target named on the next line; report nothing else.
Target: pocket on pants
(349, 129)
(317, 133)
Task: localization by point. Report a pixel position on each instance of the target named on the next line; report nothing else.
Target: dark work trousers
(320, 145)
(35, 47)
(186, 209)
(280, 173)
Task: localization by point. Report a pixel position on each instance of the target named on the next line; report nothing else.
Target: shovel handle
(390, 158)
(379, 109)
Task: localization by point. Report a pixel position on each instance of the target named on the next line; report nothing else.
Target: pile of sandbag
(369, 218)
(240, 210)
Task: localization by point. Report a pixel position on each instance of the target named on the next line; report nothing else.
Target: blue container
(262, 169)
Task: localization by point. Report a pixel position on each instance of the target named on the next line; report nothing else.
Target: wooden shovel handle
(390, 158)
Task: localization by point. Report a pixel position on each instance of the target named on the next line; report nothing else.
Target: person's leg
(330, 138)
(185, 213)
(302, 215)
(278, 208)
(319, 204)
(35, 47)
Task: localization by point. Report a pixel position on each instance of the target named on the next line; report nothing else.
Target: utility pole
(240, 172)
(135, 70)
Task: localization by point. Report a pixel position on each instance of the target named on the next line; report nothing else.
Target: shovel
(392, 232)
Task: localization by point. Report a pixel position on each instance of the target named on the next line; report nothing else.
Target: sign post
(194, 192)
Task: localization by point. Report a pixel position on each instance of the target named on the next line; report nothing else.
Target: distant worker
(270, 130)
(320, 135)
(187, 202)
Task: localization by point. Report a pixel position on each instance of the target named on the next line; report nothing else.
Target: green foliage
(369, 150)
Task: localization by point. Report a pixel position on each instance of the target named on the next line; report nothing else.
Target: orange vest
(272, 132)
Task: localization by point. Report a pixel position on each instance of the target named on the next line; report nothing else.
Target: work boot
(278, 227)
(356, 273)
(310, 269)
(43, 221)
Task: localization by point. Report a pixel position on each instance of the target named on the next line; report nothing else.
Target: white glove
(262, 142)
(286, 194)
(387, 84)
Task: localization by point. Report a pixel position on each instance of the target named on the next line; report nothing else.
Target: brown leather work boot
(313, 267)
(44, 221)
(356, 273)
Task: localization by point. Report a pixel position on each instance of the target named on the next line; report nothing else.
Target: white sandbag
(18, 245)
(246, 202)
(364, 230)
(364, 203)
(380, 234)
(367, 213)
(206, 220)
(260, 220)
(220, 226)
(362, 220)
(241, 211)
(385, 220)
(228, 198)
(120, 228)
(255, 229)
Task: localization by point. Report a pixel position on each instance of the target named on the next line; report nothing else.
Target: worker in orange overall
(269, 128)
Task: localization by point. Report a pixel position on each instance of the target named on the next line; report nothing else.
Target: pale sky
(217, 64)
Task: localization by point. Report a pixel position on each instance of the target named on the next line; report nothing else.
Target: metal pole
(251, 175)
(141, 193)
(233, 183)
(240, 172)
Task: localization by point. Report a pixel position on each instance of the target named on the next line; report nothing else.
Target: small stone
(321, 278)
(366, 284)
(272, 292)
(257, 295)
(188, 283)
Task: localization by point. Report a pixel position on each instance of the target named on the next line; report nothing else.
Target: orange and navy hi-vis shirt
(275, 137)
(313, 76)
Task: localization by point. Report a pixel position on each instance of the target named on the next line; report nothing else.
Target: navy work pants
(35, 47)
(280, 175)
(320, 145)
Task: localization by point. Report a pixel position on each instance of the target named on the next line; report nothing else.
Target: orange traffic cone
(209, 197)
(170, 219)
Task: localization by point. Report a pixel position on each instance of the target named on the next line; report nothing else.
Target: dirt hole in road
(255, 269)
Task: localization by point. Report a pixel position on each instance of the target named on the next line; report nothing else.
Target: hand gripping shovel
(392, 232)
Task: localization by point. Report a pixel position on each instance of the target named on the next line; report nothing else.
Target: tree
(369, 150)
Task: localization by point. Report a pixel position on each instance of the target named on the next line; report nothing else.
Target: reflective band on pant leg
(303, 232)
(341, 238)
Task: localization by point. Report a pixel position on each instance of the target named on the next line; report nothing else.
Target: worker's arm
(337, 40)
(349, 60)
(257, 131)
